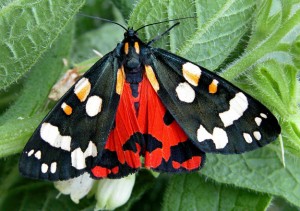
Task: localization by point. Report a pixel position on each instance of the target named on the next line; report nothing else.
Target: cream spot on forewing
(44, 168)
(78, 156)
(30, 153)
(66, 108)
(91, 150)
(38, 155)
(257, 135)
(191, 73)
(203, 134)
(219, 136)
(82, 89)
(237, 106)
(53, 167)
(78, 159)
(258, 120)
(247, 137)
(185, 92)
(93, 105)
(213, 87)
(263, 115)
(51, 135)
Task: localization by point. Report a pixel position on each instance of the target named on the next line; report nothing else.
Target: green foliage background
(253, 43)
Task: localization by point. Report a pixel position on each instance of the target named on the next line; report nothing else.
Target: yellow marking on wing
(120, 80)
(151, 77)
(213, 87)
(82, 89)
(67, 109)
(191, 73)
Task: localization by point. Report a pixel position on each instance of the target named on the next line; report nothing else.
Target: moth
(141, 101)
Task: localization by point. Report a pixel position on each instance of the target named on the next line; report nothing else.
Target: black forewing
(82, 128)
(206, 107)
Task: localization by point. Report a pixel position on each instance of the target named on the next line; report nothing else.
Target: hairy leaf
(206, 39)
(20, 120)
(28, 28)
(193, 192)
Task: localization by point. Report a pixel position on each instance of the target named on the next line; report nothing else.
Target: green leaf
(276, 86)
(15, 133)
(18, 193)
(206, 40)
(20, 120)
(103, 40)
(28, 28)
(269, 43)
(125, 6)
(193, 192)
(261, 170)
(96, 8)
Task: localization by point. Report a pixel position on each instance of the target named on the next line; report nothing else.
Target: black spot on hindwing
(168, 118)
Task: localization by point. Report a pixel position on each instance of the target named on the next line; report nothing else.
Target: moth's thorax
(132, 60)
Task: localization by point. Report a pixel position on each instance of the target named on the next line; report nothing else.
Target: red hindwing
(147, 130)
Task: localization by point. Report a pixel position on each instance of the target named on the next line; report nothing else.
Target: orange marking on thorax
(126, 48)
(137, 47)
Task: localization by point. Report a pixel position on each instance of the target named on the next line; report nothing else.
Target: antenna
(177, 19)
(102, 19)
(160, 35)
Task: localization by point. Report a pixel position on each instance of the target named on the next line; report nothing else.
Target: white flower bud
(113, 193)
(77, 187)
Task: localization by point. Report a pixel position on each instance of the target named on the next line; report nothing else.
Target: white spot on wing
(78, 159)
(38, 155)
(30, 153)
(51, 135)
(78, 156)
(257, 135)
(91, 150)
(258, 121)
(263, 115)
(53, 167)
(185, 92)
(247, 137)
(191, 73)
(219, 136)
(238, 106)
(44, 168)
(93, 105)
(82, 89)
(203, 134)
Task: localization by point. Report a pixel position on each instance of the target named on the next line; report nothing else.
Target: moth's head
(130, 35)
(131, 48)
